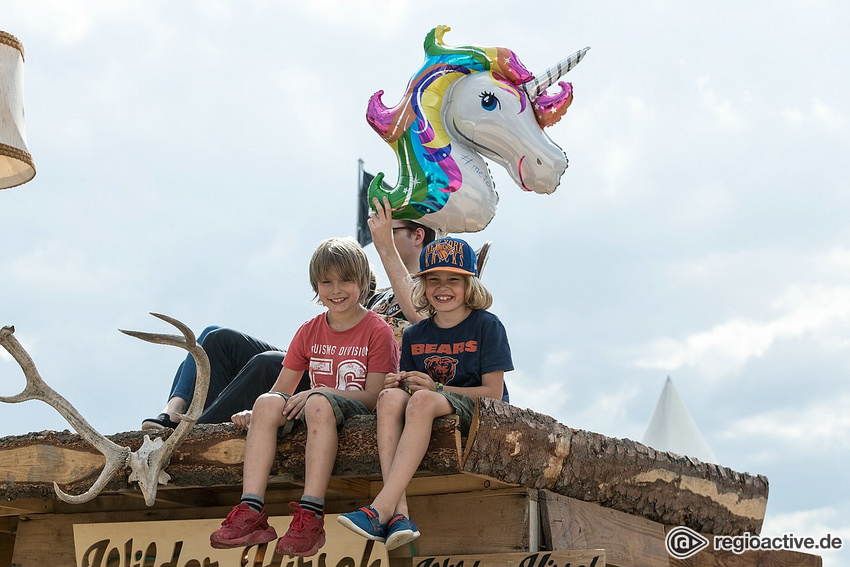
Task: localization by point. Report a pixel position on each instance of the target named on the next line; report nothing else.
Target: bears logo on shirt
(441, 368)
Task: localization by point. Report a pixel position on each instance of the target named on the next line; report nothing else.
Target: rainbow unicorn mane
(414, 127)
(464, 103)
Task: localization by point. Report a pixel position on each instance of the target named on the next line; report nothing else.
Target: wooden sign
(570, 558)
(186, 543)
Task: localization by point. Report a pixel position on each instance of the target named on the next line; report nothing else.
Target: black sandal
(161, 421)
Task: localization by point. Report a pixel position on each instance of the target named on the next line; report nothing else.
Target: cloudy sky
(191, 155)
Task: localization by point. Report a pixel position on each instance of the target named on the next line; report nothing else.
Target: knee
(269, 362)
(392, 401)
(268, 406)
(207, 330)
(214, 337)
(318, 410)
(423, 402)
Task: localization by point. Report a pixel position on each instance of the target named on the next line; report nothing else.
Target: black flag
(364, 235)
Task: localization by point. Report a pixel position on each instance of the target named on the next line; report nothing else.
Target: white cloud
(358, 14)
(822, 425)
(728, 117)
(58, 263)
(818, 112)
(725, 348)
(68, 21)
(816, 523)
(793, 116)
(826, 115)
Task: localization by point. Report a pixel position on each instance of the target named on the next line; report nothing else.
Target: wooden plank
(480, 522)
(754, 558)
(48, 539)
(7, 548)
(25, 506)
(445, 484)
(490, 521)
(628, 540)
(710, 557)
(616, 473)
(571, 558)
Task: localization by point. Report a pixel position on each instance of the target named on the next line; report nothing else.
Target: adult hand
(242, 419)
(381, 223)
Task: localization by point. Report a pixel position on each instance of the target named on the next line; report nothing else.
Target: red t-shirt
(342, 360)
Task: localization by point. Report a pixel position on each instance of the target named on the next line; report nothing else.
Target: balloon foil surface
(464, 103)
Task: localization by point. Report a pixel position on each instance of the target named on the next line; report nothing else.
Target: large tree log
(211, 455)
(531, 449)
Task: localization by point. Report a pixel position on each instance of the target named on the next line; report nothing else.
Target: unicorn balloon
(465, 103)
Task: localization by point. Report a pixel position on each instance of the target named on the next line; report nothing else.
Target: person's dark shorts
(464, 407)
(343, 407)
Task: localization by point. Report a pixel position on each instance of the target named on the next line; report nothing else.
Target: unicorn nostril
(539, 162)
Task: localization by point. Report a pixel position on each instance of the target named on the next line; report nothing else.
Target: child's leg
(247, 523)
(306, 532)
(391, 407)
(261, 444)
(422, 408)
(322, 442)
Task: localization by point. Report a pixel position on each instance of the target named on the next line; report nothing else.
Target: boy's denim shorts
(343, 409)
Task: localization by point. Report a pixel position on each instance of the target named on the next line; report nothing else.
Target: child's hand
(418, 381)
(393, 381)
(242, 419)
(295, 405)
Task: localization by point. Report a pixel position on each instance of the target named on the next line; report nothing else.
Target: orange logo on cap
(442, 250)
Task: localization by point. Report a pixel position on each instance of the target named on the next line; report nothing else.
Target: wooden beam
(493, 521)
(573, 557)
(627, 540)
(616, 473)
(445, 484)
(754, 558)
(710, 557)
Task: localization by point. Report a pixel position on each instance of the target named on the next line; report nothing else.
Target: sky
(191, 155)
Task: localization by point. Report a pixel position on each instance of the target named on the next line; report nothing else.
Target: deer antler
(148, 462)
(37, 389)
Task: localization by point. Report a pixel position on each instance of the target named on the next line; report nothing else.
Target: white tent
(673, 429)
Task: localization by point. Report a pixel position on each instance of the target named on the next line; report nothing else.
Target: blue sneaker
(400, 530)
(365, 522)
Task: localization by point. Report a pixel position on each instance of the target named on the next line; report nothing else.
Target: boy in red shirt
(348, 350)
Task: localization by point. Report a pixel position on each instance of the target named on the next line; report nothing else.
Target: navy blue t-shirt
(460, 355)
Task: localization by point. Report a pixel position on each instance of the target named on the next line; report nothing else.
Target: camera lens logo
(682, 542)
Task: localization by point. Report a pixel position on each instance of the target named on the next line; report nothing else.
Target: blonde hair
(475, 295)
(342, 258)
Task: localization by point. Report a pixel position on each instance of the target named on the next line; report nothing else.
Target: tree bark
(531, 449)
(211, 455)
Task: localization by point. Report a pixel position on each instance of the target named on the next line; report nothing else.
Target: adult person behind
(242, 367)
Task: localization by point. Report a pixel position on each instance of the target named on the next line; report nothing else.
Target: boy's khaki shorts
(464, 407)
(343, 409)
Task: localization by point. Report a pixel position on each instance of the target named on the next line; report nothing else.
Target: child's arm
(491, 384)
(286, 383)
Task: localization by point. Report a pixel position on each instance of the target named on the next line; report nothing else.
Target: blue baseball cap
(450, 255)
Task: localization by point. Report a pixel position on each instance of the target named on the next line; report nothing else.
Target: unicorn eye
(490, 102)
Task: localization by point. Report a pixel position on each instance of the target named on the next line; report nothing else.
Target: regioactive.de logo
(683, 542)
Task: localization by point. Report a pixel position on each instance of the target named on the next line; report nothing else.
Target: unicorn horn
(538, 85)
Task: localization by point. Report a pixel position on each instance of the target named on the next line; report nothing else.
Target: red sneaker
(243, 526)
(306, 533)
